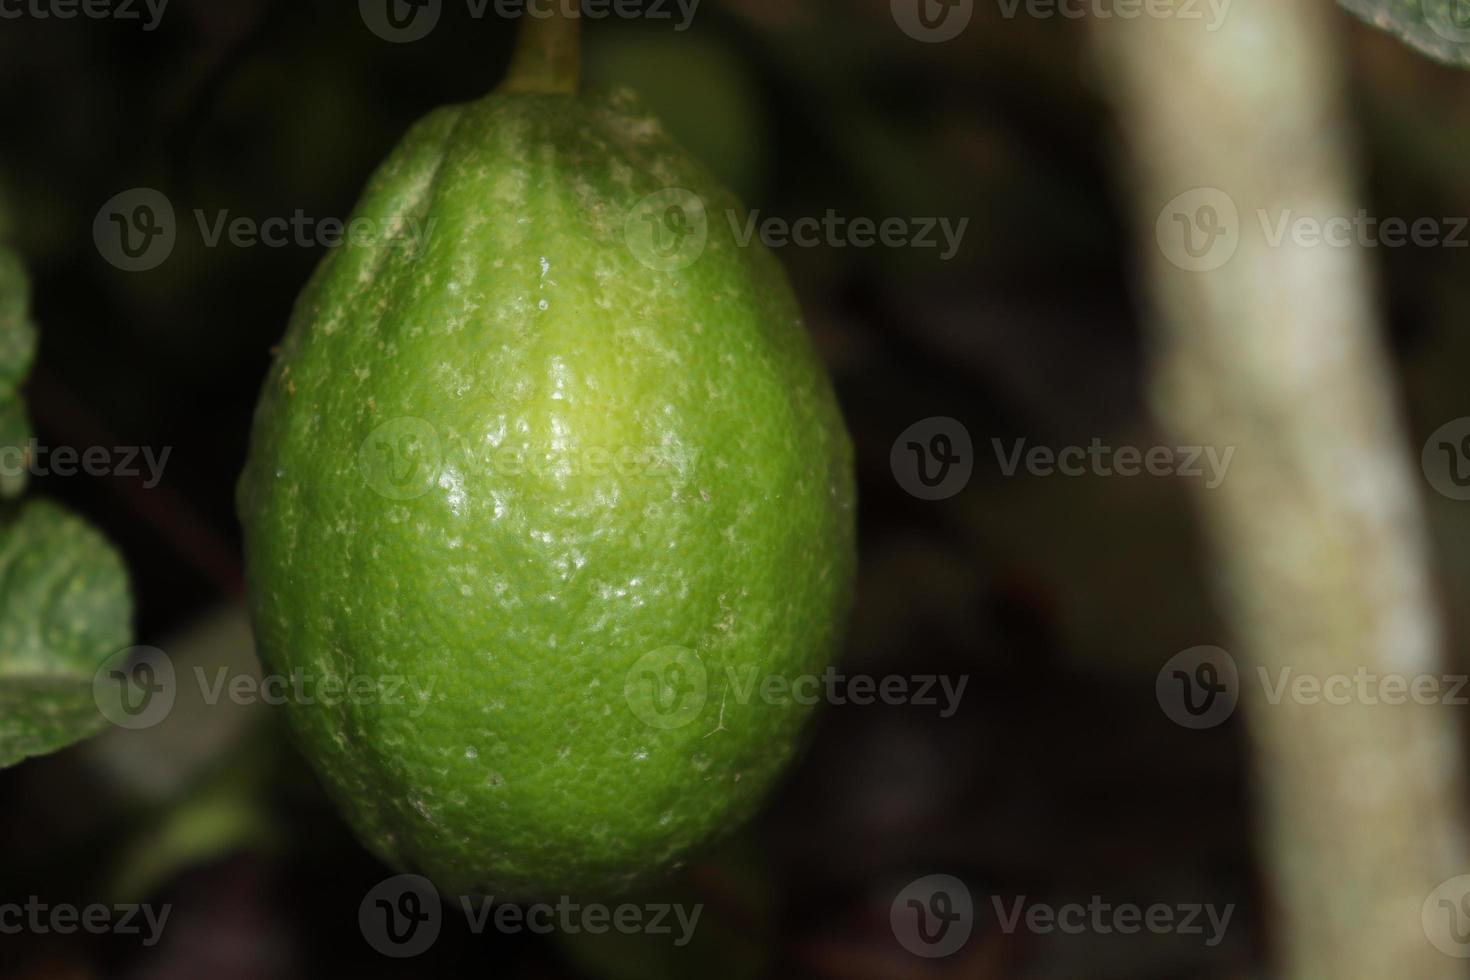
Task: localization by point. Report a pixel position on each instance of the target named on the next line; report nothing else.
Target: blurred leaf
(17, 351)
(64, 608)
(15, 435)
(157, 765)
(1434, 27)
(17, 334)
(227, 812)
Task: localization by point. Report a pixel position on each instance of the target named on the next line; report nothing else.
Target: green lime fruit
(548, 503)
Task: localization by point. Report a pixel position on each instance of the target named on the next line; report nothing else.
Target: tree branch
(1271, 347)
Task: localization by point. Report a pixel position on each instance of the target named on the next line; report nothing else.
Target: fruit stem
(547, 56)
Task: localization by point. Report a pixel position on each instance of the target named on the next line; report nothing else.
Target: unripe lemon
(545, 485)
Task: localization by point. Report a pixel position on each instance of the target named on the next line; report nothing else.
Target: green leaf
(64, 609)
(1438, 28)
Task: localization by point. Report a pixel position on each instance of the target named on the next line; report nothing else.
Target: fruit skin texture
(439, 492)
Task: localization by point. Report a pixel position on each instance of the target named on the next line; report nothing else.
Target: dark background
(1059, 778)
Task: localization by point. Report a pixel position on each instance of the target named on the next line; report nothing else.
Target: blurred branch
(176, 519)
(1318, 530)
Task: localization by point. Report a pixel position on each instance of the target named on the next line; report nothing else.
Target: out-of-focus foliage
(64, 599)
(17, 351)
(1438, 28)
